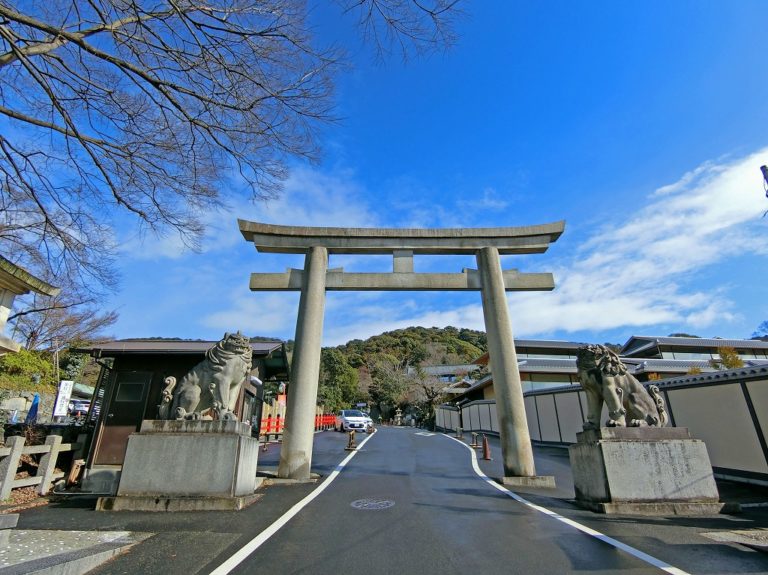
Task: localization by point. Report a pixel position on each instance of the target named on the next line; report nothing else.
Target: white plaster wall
(532, 417)
(485, 416)
(469, 415)
(758, 391)
(570, 415)
(494, 418)
(547, 418)
(718, 415)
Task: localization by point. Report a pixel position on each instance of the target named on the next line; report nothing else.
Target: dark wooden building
(130, 387)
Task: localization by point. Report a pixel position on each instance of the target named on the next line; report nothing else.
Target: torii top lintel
(297, 239)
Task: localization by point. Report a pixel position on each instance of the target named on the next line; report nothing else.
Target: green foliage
(19, 371)
(389, 383)
(683, 335)
(381, 363)
(411, 346)
(72, 366)
(338, 381)
(4, 394)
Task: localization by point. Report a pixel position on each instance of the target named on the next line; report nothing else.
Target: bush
(19, 371)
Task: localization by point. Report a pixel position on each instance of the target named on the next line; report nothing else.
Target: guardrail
(46, 470)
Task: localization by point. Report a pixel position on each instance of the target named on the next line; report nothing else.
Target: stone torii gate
(486, 244)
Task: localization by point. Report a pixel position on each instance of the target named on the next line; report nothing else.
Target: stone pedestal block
(650, 471)
(187, 466)
(547, 481)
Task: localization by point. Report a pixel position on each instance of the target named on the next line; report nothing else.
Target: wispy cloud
(310, 197)
(642, 270)
(637, 271)
(256, 314)
(657, 266)
(488, 200)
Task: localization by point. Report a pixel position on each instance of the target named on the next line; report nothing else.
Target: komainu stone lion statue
(605, 379)
(214, 383)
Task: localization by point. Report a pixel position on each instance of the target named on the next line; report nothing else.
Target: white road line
(262, 537)
(583, 528)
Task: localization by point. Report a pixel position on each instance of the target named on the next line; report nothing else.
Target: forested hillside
(374, 371)
(416, 346)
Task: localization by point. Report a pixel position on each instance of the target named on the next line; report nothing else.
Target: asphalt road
(408, 502)
(428, 512)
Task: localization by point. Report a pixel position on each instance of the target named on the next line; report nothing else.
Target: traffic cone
(486, 449)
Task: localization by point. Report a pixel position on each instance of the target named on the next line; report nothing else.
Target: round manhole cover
(372, 503)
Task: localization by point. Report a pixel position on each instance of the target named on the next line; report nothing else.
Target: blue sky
(642, 124)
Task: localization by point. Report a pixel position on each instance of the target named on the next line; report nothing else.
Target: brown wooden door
(124, 412)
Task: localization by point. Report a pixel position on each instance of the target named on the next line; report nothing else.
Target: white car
(78, 406)
(349, 419)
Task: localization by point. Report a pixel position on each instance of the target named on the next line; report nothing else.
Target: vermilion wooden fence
(273, 421)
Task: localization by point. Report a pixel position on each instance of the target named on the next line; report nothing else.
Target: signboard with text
(62, 399)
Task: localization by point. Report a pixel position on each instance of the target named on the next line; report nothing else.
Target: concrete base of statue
(643, 471)
(187, 466)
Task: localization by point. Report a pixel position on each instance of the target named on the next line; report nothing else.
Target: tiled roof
(156, 346)
(727, 375)
(639, 342)
(19, 281)
(642, 365)
(548, 365)
(546, 343)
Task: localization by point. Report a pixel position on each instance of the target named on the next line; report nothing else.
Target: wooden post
(9, 465)
(79, 453)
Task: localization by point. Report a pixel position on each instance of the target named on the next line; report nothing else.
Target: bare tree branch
(159, 108)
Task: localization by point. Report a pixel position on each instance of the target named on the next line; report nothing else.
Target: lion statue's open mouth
(213, 384)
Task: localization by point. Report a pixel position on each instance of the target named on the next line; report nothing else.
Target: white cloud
(310, 198)
(390, 314)
(488, 200)
(639, 270)
(256, 314)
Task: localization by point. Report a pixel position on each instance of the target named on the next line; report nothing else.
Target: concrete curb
(74, 562)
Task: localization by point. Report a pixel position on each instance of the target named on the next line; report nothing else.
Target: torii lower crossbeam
(486, 244)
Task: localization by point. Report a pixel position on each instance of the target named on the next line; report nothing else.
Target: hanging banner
(62, 399)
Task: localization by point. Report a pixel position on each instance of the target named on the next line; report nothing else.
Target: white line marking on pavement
(583, 528)
(240, 556)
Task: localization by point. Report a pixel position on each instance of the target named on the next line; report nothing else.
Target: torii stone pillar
(486, 244)
(296, 451)
(516, 450)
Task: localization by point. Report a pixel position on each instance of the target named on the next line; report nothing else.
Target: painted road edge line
(658, 563)
(241, 554)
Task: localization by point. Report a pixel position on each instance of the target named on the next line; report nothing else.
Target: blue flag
(32, 413)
